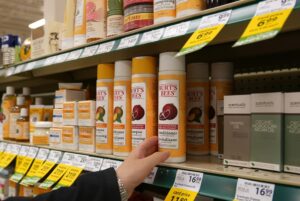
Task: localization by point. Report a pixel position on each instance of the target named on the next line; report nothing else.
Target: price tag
(23, 152)
(69, 178)
(210, 26)
(108, 163)
(6, 159)
(61, 58)
(42, 154)
(80, 160)
(74, 55)
(54, 156)
(49, 61)
(129, 41)
(10, 71)
(186, 186)
(247, 190)
(93, 164)
(89, 51)
(269, 19)
(105, 47)
(19, 68)
(2, 146)
(152, 36)
(150, 178)
(176, 30)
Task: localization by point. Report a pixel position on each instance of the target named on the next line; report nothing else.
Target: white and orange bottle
(104, 109)
(143, 99)
(122, 108)
(9, 101)
(80, 23)
(15, 115)
(189, 7)
(221, 85)
(26, 94)
(164, 10)
(68, 26)
(197, 109)
(172, 106)
(22, 127)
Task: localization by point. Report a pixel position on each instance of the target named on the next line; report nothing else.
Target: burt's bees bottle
(144, 99)
(172, 106)
(15, 115)
(9, 101)
(26, 94)
(122, 109)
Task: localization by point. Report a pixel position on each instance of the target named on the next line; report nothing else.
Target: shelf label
(49, 61)
(2, 146)
(186, 186)
(150, 178)
(74, 55)
(210, 26)
(269, 19)
(176, 30)
(69, 178)
(105, 47)
(89, 51)
(247, 190)
(21, 156)
(19, 69)
(93, 164)
(108, 163)
(129, 41)
(152, 36)
(10, 71)
(61, 58)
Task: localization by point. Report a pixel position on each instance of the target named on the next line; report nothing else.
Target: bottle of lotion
(9, 101)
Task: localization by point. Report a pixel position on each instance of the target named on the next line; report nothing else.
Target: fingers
(155, 159)
(148, 147)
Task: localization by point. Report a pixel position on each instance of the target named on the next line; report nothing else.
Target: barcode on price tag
(247, 190)
(108, 163)
(129, 41)
(89, 51)
(152, 36)
(105, 47)
(176, 30)
(93, 164)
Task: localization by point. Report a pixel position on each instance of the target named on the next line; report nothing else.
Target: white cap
(20, 100)
(43, 124)
(26, 91)
(168, 62)
(198, 71)
(24, 112)
(123, 68)
(222, 71)
(10, 90)
(38, 101)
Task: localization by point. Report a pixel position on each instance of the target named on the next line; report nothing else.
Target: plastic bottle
(9, 101)
(164, 10)
(115, 17)
(122, 108)
(15, 115)
(104, 109)
(68, 26)
(144, 99)
(26, 94)
(22, 129)
(189, 7)
(221, 85)
(172, 106)
(80, 23)
(197, 108)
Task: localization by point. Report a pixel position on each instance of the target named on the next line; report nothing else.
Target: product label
(120, 115)
(102, 115)
(168, 114)
(55, 136)
(84, 110)
(213, 116)
(164, 8)
(13, 124)
(69, 111)
(79, 13)
(115, 25)
(139, 110)
(22, 130)
(96, 19)
(183, 5)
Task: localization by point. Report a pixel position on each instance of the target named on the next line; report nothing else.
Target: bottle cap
(10, 90)
(123, 68)
(198, 71)
(26, 91)
(222, 70)
(20, 100)
(24, 112)
(144, 65)
(168, 62)
(38, 101)
(105, 71)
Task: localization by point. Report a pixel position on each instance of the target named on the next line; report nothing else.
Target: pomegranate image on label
(169, 112)
(118, 113)
(138, 112)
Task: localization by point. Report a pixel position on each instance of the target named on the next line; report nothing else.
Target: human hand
(139, 164)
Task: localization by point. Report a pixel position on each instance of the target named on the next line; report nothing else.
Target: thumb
(156, 158)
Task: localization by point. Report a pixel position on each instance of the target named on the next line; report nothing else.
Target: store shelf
(109, 50)
(219, 181)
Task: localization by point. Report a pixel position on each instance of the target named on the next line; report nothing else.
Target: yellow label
(84, 110)
(87, 135)
(70, 176)
(68, 134)
(69, 110)
(19, 161)
(25, 165)
(138, 16)
(177, 194)
(182, 5)
(7, 158)
(41, 140)
(35, 166)
(44, 169)
(58, 172)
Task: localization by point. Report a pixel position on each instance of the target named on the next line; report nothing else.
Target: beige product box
(69, 137)
(57, 121)
(87, 113)
(66, 95)
(38, 42)
(55, 137)
(87, 138)
(36, 113)
(48, 113)
(70, 113)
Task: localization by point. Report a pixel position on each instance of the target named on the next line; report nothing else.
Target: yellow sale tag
(177, 194)
(7, 159)
(19, 161)
(25, 165)
(70, 176)
(35, 166)
(44, 169)
(55, 175)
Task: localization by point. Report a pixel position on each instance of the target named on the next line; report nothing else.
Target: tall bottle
(197, 109)
(14, 116)
(22, 128)
(172, 106)
(104, 111)
(221, 85)
(122, 108)
(80, 23)
(164, 10)
(144, 99)
(68, 26)
(9, 101)
(26, 94)
(115, 17)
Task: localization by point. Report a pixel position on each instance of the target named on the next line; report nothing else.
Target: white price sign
(89, 51)
(43, 154)
(150, 178)
(19, 69)
(129, 41)
(215, 19)
(74, 55)
(188, 180)
(61, 58)
(49, 61)
(108, 163)
(24, 151)
(80, 160)
(270, 6)
(54, 156)
(67, 158)
(15, 148)
(247, 190)
(2, 146)
(152, 36)
(176, 30)
(93, 164)
(32, 152)
(105, 47)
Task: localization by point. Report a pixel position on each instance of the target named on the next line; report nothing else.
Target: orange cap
(105, 71)
(144, 65)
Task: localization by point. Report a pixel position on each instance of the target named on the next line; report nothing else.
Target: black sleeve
(97, 186)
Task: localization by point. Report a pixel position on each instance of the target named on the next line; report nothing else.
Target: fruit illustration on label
(91, 13)
(211, 112)
(2, 117)
(118, 113)
(195, 115)
(138, 112)
(100, 113)
(169, 112)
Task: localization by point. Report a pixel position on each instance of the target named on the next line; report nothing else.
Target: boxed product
(70, 113)
(267, 131)
(38, 42)
(87, 138)
(69, 137)
(57, 118)
(65, 95)
(87, 113)
(36, 113)
(292, 132)
(55, 137)
(237, 130)
(48, 113)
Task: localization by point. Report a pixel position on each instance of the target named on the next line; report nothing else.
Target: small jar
(41, 133)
